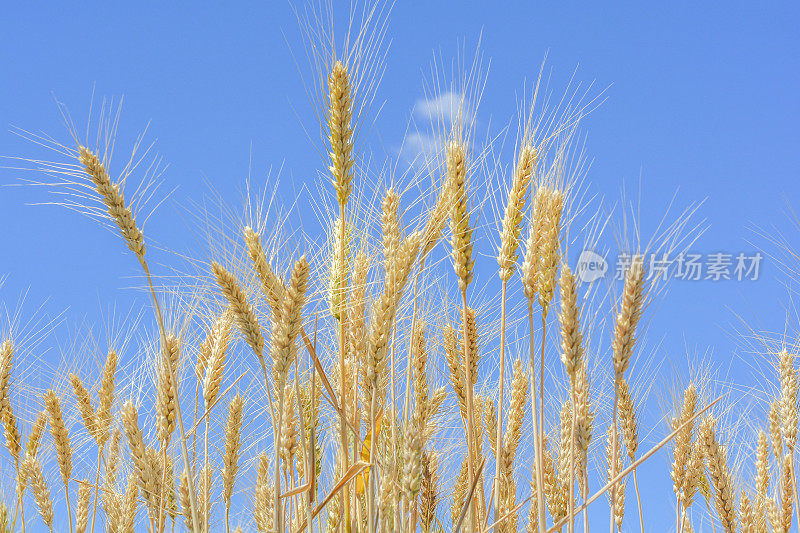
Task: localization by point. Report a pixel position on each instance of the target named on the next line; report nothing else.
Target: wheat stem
(342, 372)
(500, 404)
(97, 483)
(178, 417)
(470, 409)
(537, 436)
(638, 500)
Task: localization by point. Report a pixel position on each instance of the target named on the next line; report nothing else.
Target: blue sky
(701, 99)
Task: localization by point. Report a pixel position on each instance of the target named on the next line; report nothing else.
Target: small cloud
(421, 147)
(439, 109)
(433, 117)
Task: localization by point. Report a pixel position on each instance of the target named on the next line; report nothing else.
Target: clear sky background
(702, 99)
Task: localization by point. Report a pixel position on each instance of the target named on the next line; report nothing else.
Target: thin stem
(794, 487)
(407, 398)
(205, 480)
(277, 515)
(613, 458)
(178, 416)
(194, 435)
(20, 494)
(395, 488)
(372, 487)
(470, 412)
(541, 399)
(342, 376)
(584, 494)
(713, 525)
(500, 404)
(97, 483)
(162, 495)
(678, 525)
(638, 500)
(304, 441)
(537, 440)
(69, 506)
(571, 507)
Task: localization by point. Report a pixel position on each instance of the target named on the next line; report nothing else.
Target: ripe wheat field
(364, 379)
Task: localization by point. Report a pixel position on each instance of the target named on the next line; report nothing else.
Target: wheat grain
(106, 398)
(217, 350)
(337, 277)
(628, 316)
(459, 214)
(786, 493)
(761, 481)
(340, 114)
(746, 517)
(41, 492)
(167, 390)
(627, 412)
(233, 433)
(283, 344)
(115, 203)
(512, 220)
(789, 389)
(60, 435)
(82, 511)
(719, 475)
(549, 245)
(775, 428)
(683, 440)
(617, 493)
(430, 490)
(270, 284)
(241, 309)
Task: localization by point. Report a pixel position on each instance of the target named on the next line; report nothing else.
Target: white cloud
(439, 109)
(433, 117)
(420, 147)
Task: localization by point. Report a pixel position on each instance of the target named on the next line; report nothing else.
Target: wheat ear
(41, 492)
(761, 481)
(114, 201)
(242, 310)
(719, 475)
(789, 411)
(111, 195)
(630, 434)
(572, 357)
(340, 137)
(82, 511)
(61, 440)
(233, 433)
(463, 263)
(9, 421)
(507, 260)
(627, 319)
(217, 349)
(283, 353)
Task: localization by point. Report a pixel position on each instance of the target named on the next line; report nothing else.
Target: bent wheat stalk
(121, 214)
(621, 475)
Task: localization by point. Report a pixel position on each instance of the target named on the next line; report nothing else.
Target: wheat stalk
(61, 440)
(111, 195)
(41, 492)
(82, 511)
(719, 475)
